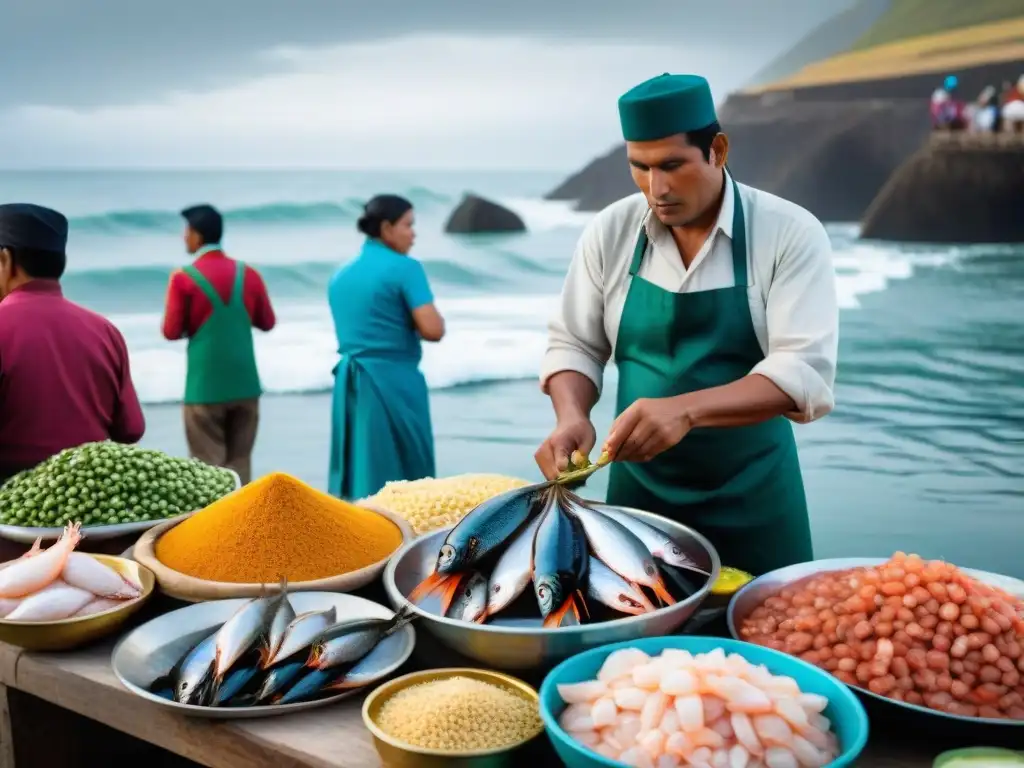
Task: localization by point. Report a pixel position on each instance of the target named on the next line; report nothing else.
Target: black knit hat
(23, 225)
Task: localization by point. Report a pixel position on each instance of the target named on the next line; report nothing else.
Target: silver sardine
(300, 634)
(513, 571)
(658, 543)
(608, 588)
(196, 674)
(283, 618)
(470, 603)
(349, 642)
(614, 545)
(241, 632)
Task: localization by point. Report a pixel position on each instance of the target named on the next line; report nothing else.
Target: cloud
(74, 53)
(419, 101)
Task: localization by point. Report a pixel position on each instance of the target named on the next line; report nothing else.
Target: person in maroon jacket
(215, 303)
(64, 373)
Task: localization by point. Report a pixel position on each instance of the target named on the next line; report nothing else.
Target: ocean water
(925, 448)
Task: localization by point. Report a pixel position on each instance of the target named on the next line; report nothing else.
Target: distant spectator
(947, 111)
(1013, 108)
(982, 114)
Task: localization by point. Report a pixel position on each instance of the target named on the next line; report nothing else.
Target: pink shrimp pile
(58, 583)
(706, 710)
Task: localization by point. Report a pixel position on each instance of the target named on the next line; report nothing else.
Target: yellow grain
(459, 714)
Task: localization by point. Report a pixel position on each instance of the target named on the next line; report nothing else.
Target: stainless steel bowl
(763, 587)
(529, 647)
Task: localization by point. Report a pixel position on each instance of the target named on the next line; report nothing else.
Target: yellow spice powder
(459, 714)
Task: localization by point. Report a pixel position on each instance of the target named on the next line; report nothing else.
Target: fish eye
(447, 553)
(676, 550)
(650, 569)
(496, 588)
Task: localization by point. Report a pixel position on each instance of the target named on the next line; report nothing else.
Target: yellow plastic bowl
(398, 754)
(66, 634)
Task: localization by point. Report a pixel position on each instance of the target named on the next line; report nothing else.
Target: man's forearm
(573, 395)
(749, 400)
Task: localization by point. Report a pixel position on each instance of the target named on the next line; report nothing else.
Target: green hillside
(913, 18)
(833, 36)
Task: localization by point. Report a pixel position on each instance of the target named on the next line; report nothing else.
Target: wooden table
(38, 691)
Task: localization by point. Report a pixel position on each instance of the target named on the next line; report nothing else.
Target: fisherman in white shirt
(717, 303)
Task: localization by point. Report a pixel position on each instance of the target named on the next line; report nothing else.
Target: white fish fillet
(90, 574)
(52, 603)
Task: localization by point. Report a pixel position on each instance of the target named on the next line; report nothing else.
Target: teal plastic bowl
(849, 720)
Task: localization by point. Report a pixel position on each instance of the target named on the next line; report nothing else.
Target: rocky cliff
(830, 149)
(956, 189)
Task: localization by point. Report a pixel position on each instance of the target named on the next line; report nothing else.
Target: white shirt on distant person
(792, 291)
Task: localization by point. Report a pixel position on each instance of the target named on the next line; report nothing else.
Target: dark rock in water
(475, 215)
(959, 188)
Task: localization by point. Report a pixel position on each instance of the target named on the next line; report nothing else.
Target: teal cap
(666, 105)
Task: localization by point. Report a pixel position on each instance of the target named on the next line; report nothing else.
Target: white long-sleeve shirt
(792, 297)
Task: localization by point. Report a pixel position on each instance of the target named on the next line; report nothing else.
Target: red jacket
(64, 378)
(187, 305)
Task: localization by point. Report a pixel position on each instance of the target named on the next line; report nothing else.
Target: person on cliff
(215, 303)
(717, 303)
(1013, 108)
(65, 377)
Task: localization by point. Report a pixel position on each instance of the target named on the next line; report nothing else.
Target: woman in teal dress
(383, 309)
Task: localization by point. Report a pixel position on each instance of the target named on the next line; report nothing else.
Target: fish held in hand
(195, 679)
(614, 545)
(239, 633)
(347, 643)
(610, 589)
(560, 562)
(283, 618)
(53, 602)
(30, 574)
(482, 531)
(513, 571)
(658, 543)
(301, 632)
(88, 573)
(470, 602)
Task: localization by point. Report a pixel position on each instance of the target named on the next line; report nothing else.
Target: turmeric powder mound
(277, 526)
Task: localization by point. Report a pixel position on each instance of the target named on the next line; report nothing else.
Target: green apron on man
(739, 486)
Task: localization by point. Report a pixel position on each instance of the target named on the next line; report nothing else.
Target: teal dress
(380, 415)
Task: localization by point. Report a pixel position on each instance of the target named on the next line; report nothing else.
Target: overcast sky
(405, 83)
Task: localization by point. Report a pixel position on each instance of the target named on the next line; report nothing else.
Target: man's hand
(648, 427)
(569, 435)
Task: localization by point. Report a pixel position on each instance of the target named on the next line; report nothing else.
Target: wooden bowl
(65, 634)
(190, 589)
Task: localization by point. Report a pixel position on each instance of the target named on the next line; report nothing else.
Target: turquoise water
(924, 451)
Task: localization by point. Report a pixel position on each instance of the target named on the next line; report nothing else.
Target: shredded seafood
(706, 710)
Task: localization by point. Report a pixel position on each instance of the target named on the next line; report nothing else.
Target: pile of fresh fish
(58, 583)
(265, 654)
(574, 555)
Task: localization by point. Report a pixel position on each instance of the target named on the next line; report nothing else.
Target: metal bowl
(153, 648)
(760, 589)
(66, 634)
(399, 754)
(531, 646)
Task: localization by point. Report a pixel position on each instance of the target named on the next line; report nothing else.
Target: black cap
(23, 225)
(207, 221)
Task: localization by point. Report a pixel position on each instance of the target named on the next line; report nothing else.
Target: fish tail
(448, 592)
(283, 584)
(433, 583)
(554, 619)
(581, 604)
(662, 592)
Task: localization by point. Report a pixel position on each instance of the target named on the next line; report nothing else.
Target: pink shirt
(64, 378)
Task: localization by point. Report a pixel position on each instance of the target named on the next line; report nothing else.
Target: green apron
(221, 358)
(739, 486)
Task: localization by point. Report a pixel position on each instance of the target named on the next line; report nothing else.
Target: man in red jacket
(64, 373)
(215, 303)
